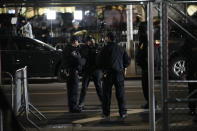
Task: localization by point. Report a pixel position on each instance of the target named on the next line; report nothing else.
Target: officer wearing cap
(89, 52)
(75, 27)
(73, 63)
(113, 59)
(78, 31)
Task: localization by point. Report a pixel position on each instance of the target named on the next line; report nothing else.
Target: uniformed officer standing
(191, 75)
(113, 59)
(89, 52)
(73, 64)
(142, 57)
(142, 60)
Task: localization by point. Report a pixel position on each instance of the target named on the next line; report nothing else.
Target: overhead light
(11, 11)
(78, 15)
(51, 14)
(192, 9)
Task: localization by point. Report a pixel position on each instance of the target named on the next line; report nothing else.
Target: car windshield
(45, 44)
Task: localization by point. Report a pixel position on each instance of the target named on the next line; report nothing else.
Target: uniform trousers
(109, 80)
(72, 89)
(96, 76)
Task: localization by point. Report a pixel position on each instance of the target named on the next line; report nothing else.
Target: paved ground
(50, 98)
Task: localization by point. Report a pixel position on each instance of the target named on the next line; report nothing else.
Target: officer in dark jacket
(142, 57)
(89, 52)
(113, 59)
(43, 33)
(73, 63)
(191, 75)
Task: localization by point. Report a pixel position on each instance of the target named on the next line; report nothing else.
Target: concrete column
(129, 46)
(129, 26)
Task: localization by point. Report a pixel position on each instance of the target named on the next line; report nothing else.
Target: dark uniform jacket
(90, 53)
(113, 59)
(142, 49)
(43, 32)
(72, 58)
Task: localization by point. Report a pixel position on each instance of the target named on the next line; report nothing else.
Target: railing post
(164, 62)
(1, 120)
(151, 66)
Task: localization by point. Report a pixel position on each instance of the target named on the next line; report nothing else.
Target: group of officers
(105, 66)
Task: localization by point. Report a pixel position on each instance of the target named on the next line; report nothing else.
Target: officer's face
(76, 26)
(89, 43)
(107, 39)
(23, 22)
(75, 43)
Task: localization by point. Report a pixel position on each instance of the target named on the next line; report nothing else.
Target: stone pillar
(129, 45)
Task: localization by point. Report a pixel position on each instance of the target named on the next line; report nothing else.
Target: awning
(43, 3)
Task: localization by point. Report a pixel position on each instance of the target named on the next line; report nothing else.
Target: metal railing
(22, 103)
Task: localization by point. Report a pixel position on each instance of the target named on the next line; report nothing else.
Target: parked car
(181, 48)
(41, 59)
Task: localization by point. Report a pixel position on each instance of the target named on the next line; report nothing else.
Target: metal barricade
(22, 103)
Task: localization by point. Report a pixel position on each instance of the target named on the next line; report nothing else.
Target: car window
(8, 44)
(12, 46)
(39, 47)
(24, 44)
(3, 44)
(46, 46)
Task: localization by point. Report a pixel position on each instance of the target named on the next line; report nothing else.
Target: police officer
(75, 28)
(143, 59)
(43, 33)
(191, 75)
(78, 31)
(73, 63)
(113, 59)
(89, 52)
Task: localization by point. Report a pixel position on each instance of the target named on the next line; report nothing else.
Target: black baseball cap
(111, 36)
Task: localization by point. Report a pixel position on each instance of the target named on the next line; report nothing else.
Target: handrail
(183, 1)
(181, 27)
(182, 81)
(183, 14)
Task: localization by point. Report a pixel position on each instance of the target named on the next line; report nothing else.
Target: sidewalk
(90, 120)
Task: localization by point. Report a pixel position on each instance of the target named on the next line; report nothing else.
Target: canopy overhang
(40, 3)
